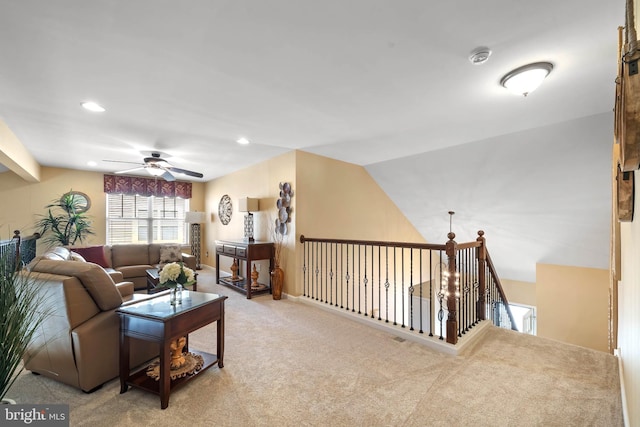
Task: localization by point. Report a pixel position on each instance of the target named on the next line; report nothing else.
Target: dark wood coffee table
(156, 320)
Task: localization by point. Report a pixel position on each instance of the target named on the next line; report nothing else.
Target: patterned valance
(119, 184)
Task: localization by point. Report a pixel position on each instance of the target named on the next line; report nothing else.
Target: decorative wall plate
(225, 209)
(284, 208)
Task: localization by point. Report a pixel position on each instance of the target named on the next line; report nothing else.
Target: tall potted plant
(66, 221)
(21, 315)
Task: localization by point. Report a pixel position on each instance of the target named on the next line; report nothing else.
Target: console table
(156, 320)
(243, 250)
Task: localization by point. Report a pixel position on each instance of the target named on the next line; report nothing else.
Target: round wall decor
(225, 209)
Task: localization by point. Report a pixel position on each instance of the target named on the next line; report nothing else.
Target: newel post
(452, 291)
(17, 238)
(482, 285)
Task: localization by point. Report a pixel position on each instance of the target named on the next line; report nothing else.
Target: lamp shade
(194, 217)
(247, 204)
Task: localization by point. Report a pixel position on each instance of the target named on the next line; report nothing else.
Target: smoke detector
(479, 55)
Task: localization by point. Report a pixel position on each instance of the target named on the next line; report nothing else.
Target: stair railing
(18, 251)
(443, 290)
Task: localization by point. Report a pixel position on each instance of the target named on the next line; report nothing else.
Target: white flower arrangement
(176, 273)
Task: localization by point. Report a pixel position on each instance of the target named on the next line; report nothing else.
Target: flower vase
(175, 295)
(277, 282)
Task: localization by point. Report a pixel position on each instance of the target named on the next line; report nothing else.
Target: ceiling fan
(159, 167)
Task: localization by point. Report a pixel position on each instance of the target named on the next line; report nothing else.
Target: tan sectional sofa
(79, 341)
(129, 260)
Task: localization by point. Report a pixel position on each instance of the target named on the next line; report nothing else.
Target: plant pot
(277, 282)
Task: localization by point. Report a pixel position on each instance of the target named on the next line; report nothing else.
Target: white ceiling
(363, 81)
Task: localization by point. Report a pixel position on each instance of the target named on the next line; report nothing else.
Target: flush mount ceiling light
(92, 106)
(526, 79)
(242, 141)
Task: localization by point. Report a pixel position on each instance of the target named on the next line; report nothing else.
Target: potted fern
(21, 315)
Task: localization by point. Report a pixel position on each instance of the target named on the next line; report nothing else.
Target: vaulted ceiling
(383, 84)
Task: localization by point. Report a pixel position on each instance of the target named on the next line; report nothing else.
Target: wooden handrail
(430, 246)
(496, 279)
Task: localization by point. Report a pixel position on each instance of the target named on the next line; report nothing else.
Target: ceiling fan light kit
(158, 167)
(524, 80)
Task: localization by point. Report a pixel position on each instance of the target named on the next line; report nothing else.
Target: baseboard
(623, 393)
(434, 343)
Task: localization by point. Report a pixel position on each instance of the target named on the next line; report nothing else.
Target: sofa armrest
(189, 260)
(125, 288)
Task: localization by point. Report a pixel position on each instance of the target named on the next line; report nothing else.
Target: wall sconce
(195, 219)
(248, 205)
(526, 79)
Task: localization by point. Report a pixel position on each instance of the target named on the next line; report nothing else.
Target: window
(146, 219)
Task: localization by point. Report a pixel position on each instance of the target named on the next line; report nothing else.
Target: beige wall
(24, 201)
(331, 199)
(519, 292)
(260, 181)
(572, 305)
(339, 200)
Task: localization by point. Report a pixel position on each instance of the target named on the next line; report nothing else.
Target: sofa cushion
(131, 271)
(94, 254)
(93, 277)
(129, 254)
(57, 254)
(170, 253)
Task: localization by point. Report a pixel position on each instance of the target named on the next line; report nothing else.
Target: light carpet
(291, 364)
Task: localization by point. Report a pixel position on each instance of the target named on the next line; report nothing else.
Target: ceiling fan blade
(185, 172)
(167, 176)
(131, 170)
(120, 161)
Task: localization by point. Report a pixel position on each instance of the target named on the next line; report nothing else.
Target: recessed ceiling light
(92, 163)
(92, 106)
(243, 141)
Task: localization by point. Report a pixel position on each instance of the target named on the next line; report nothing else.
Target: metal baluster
(441, 298)
(379, 282)
(359, 277)
(431, 303)
(386, 285)
(331, 274)
(347, 277)
(395, 290)
(411, 288)
(353, 282)
(304, 269)
(365, 281)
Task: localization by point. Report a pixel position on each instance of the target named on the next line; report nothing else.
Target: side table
(158, 321)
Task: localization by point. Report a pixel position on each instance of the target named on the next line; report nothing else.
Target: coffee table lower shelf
(141, 380)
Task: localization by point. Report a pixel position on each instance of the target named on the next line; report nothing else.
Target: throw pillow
(94, 254)
(170, 253)
(77, 257)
